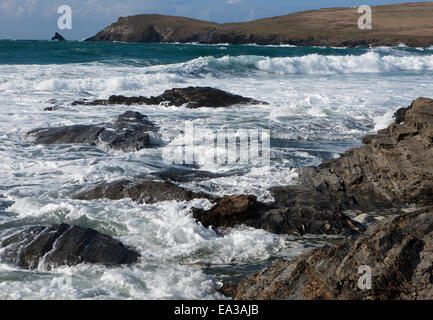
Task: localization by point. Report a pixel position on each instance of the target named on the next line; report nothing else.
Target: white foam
(384, 121)
(312, 98)
(370, 62)
(171, 243)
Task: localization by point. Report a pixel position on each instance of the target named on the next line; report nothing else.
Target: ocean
(322, 101)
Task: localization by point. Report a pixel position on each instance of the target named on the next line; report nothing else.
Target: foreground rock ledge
(131, 131)
(63, 244)
(191, 97)
(398, 250)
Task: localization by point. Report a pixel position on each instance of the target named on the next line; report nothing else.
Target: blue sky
(37, 19)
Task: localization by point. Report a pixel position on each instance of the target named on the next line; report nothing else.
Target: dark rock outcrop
(392, 168)
(398, 250)
(308, 28)
(192, 97)
(131, 131)
(307, 213)
(142, 191)
(58, 36)
(57, 245)
(183, 175)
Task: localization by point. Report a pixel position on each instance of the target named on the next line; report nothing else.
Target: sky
(37, 19)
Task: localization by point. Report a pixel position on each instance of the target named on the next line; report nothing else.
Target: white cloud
(17, 8)
(233, 1)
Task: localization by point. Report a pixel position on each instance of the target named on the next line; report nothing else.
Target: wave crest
(370, 62)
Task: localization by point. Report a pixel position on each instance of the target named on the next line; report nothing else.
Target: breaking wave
(370, 62)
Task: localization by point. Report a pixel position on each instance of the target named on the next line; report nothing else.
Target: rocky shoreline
(397, 249)
(392, 169)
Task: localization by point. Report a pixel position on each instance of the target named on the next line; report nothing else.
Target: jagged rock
(192, 97)
(308, 213)
(392, 168)
(228, 211)
(131, 131)
(229, 290)
(58, 36)
(63, 244)
(398, 250)
(142, 191)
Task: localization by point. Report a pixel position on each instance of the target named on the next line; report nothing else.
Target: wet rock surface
(304, 215)
(398, 250)
(141, 190)
(191, 97)
(63, 244)
(392, 169)
(131, 131)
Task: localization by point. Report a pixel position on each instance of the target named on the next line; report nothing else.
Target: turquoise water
(321, 102)
(139, 54)
(145, 54)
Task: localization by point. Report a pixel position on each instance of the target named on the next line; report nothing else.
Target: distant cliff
(411, 24)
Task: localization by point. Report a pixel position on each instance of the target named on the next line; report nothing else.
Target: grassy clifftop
(410, 23)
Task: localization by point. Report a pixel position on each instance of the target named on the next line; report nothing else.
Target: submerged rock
(192, 97)
(132, 131)
(398, 250)
(142, 191)
(63, 244)
(184, 175)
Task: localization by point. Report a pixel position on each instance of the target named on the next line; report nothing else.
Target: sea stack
(58, 36)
